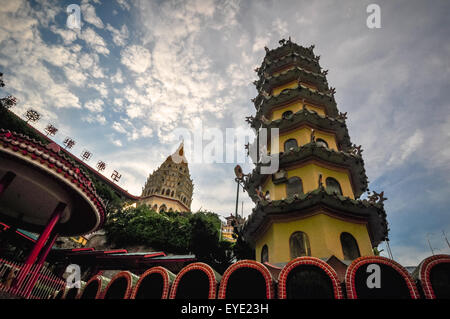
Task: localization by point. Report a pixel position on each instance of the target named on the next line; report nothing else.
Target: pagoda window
(294, 186)
(287, 114)
(299, 245)
(349, 247)
(333, 186)
(321, 142)
(290, 144)
(265, 254)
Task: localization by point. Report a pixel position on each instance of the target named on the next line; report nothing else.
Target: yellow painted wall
(309, 173)
(295, 107)
(291, 85)
(324, 237)
(303, 136)
(283, 70)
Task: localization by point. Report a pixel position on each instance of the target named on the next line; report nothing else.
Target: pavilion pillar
(6, 181)
(40, 263)
(39, 245)
(54, 219)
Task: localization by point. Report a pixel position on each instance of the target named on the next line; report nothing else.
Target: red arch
(424, 273)
(155, 270)
(351, 271)
(129, 289)
(197, 266)
(98, 295)
(247, 264)
(312, 261)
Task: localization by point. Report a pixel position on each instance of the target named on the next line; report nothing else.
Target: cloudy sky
(137, 71)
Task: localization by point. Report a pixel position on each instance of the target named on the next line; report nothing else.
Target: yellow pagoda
(311, 205)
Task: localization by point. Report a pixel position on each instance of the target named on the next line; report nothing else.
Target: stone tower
(310, 206)
(170, 187)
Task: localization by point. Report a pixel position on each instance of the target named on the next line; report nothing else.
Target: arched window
(155, 208)
(321, 142)
(163, 191)
(163, 208)
(287, 114)
(168, 192)
(299, 245)
(289, 144)
(349, 247)
(333, 186)
(294, 186)
(171, 194)
(265, 254)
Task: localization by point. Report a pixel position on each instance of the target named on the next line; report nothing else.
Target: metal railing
(35, 282)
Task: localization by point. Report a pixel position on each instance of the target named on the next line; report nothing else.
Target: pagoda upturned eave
(303, 204)
(269, 82)
(265, 104)
(335, 126)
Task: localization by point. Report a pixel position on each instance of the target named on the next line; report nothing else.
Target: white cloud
(117, 78)
(118, 127)
(124, 4)
(119, 36)
(89, 15)
(95, 41)
(95, 106)
(136, 58)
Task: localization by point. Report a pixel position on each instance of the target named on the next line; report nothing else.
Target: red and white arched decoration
(155, 270)
(123, 274)
(310, 261)
(197, 266)
(424, 273)
(99, 294)
(270, 294)
(351, 271)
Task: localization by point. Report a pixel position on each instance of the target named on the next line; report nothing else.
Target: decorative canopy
(44, 177)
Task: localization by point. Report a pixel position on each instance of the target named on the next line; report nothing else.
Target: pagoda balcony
(269, 82)
(353, 163)
(315, 120)
(318, 201)
(276, 65)
(264, 104)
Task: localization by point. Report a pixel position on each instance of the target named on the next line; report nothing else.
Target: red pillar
(40, 262)
(40, 244)
(54, 219)
(6, 181)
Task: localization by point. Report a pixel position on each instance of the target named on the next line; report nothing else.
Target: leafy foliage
(179, 233)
